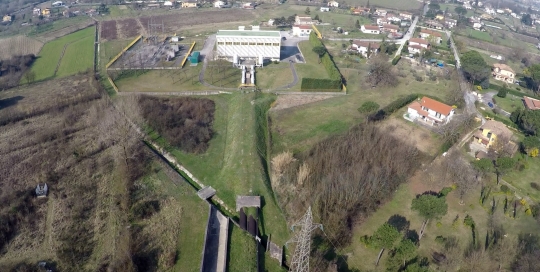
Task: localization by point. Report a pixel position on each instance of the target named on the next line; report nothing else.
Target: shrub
(439, 224)
(494, 100)
(468, 221)
(535, 186)
(396, 60)
(184, 122)
(318, 84)
(368, 106)
(535, 210)
(145, 209)
(504, 188)
(502, 93)
(366, 240)
(439, 239)
(478, 87)
(418, 78)
(445, 191)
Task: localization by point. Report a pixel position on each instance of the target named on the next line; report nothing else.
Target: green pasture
(242, 251)
(76, 59)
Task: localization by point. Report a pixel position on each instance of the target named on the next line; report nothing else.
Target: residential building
(6, 19)
(382, 20)
(503, 72)
(406, 15)
(271, 22)
(189, 4)
(380, 12)
(219, 3)
(303, 20)
(450, 23)
(395, 35)
(168, 4)
(477, 26)
(370, 29)
(531, 103)
(433, 24)
(248, 6)
(405, 23)
(392, 17)
(490, 11)
(418, 41)
(334, 4)
(488, 133)
(325, 9)
(301, 30)
(362, 47)
(431, 35)
(36, 11)
(431, 112)
(390, 28)
(439, 17)
(415, 48)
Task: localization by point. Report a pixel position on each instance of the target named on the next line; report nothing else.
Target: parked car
(490, 105)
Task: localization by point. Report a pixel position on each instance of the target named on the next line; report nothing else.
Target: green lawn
(296, 129)
(510, 103)
(477, 34)
(79, 57)
(242, 251)
(50, 54)
(312, 68)
(231, 164)
(186, 79)
(522, 179)
(274, 76)
(223, 74)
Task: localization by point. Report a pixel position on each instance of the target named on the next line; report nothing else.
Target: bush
(396, 60)
(535, 186)
(418, 78)
(144, 210)
(445, 191)
(319, 84)
(368, 106)
(439, 239)
(432, 77)
(439, 224)
(392, 107)
(184, 122)
(502, 93)
(468, 221)
(505, 189)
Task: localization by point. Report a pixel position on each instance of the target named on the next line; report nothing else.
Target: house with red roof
(531, 103)
(430, 111)
(302, 30)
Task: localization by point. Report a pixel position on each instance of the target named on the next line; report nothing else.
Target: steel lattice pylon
(300, 259)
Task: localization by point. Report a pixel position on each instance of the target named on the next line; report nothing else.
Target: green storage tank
(194, 59)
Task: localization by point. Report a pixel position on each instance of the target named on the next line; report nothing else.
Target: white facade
(334, 4)
(325, 9)
(301, 31)
(219, 4)
(370, 29)
(248, 44)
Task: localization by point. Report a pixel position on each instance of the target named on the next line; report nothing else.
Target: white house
(36, 11)
(303, 20)
(392, 17)
(334, 4)
(490, 11)
(415, 48)
(431, 35)
(431, 112)
(167, 4)
(382, 20)
(370, 29)
(301, 30)
(325, 9)
(450, 23)
(363, 46)
(477, 26)
(421, 42)
(406, 15)
(219, 3)
(500, 11)
(380, 12)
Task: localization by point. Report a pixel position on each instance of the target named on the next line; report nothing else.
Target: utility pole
(300, 259)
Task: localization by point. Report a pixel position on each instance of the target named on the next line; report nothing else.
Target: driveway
(289, 48)
(488, 98)
(407, 36)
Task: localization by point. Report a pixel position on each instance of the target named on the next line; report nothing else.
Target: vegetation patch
(184, 122)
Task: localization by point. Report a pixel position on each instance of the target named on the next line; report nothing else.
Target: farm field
(18, 45)
(51, 31)
(79, 57)
(232, 164)
(50, 57)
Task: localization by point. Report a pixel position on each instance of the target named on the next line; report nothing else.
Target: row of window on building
(248, 43)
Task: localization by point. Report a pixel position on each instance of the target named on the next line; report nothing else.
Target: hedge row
(318, 84)
(314, 84)
(396, 60)
(393, 107)
(510, 91)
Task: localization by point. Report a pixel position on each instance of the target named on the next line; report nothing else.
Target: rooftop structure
(248, 44)
(531, 103)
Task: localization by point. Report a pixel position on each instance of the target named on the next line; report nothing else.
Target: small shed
(175, 39)
(41, 190)
(194, 59)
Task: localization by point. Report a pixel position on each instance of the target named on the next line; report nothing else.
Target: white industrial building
(241, 44)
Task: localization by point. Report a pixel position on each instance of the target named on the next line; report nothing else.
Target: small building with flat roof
(248, 44)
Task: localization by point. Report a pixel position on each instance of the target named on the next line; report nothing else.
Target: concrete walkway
(295, 78)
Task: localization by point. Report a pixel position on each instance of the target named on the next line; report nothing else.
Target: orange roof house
(531, 103)
(430, 111)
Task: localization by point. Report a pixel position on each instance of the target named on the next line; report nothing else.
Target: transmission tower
(300, 259)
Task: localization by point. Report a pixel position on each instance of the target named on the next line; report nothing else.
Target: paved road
(295, 78)
(407, 36)
(488, 97)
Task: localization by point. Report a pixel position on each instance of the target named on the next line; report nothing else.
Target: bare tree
(381, 72)
(462, 173)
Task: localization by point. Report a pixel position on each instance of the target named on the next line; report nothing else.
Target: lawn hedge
(396, 60)
(510, 91)
(314, 84)
(393, 107)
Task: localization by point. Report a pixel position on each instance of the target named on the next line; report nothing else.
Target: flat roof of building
(248, 33)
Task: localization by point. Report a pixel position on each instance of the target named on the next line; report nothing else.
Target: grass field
(231, 164)
(78, 56)
(223, 74)
(242, 251)
(311, 68)
(273, 76)
(296, 129)
(522, 179)
(186, 79)
(510, 103)
(477, 34)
